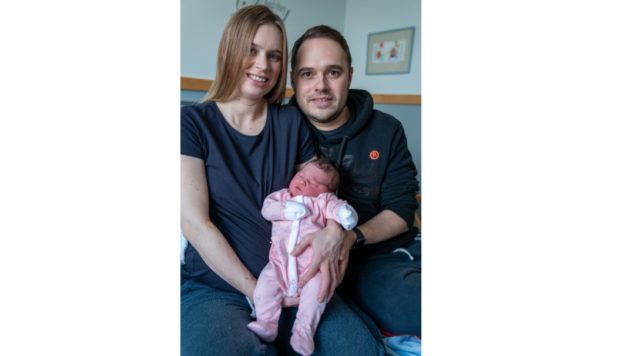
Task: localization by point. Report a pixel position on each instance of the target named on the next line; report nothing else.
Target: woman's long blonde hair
(235, 46)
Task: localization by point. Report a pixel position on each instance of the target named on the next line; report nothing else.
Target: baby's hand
(294, 210)
(347, 216)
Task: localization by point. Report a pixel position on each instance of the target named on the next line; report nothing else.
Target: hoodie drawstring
(343, 143)
(341, 150)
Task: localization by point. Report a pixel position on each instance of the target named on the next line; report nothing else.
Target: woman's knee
(212, 344)
(215, 323)
(213, 335)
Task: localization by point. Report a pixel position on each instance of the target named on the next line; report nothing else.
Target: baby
(301, 209)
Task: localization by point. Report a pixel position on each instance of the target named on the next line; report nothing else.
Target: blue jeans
(388, 288)
(214, 322)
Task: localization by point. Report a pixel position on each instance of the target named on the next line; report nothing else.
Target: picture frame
(389, 52)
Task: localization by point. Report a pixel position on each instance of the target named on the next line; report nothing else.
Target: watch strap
(360, 239)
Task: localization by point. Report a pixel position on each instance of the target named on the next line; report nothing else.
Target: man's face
(321, 81)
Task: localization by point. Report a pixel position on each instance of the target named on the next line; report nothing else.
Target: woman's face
(264, 64)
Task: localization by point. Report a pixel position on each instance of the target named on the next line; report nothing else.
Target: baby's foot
(302, 341)
(266, 331)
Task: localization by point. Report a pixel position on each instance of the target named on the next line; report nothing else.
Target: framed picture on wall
(389, 52)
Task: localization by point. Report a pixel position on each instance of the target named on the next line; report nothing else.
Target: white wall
(202, 24)
(369, 16)
(203, 21)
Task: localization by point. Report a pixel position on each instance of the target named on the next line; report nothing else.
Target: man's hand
(328, 258)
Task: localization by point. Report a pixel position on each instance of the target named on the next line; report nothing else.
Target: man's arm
(383, 226)
(400, 184)
(397, 196)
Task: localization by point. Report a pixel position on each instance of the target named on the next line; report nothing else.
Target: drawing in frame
(389, 52)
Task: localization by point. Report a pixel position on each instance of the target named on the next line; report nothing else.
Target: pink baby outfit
(279, 277)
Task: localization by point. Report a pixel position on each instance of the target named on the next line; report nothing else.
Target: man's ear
(350, 75)
(292, 80)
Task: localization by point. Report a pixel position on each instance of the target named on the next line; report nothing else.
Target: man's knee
(391, 296)
(342, 332)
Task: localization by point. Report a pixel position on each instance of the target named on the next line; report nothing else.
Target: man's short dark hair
(321, 31)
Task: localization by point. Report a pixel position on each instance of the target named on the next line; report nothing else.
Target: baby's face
(310, 181)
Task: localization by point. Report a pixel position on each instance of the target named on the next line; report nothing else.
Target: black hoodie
(377, 171)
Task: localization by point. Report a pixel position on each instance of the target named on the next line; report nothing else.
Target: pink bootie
(266, 331)
(302, 341)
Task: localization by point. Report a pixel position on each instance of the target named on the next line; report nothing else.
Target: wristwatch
(360, 239)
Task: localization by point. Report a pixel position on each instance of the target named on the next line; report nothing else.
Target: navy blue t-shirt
(241, 171)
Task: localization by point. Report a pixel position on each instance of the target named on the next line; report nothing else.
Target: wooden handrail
(404, 99)
(188, 83)
(198, 84)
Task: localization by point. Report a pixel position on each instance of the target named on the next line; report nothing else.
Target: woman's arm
(203, 234)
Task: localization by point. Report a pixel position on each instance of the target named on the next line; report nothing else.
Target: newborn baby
(301, 209)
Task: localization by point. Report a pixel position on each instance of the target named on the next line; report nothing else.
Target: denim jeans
(214, 322)
(388, 288)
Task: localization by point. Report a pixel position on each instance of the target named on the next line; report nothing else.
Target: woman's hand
(328, 257)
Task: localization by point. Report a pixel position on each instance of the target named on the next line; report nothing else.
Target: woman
(236, 148)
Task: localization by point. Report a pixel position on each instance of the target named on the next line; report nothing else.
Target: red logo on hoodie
(374, 154)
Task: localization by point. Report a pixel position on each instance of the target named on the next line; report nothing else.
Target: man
(378, 178)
